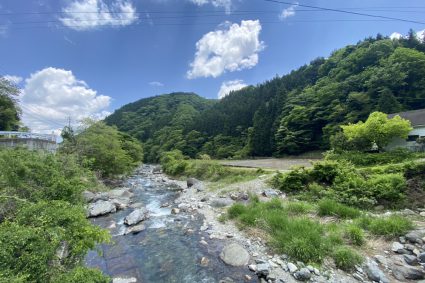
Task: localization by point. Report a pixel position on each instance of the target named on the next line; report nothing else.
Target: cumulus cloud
(396, 35)
(13, 79)
(420, 35)
(226, 4)
(232, 47)
(52, 95)
(158, 84)
(288, 12)
(91, 14)
(227, 87)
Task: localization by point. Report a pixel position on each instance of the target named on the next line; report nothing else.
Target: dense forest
(291, 114)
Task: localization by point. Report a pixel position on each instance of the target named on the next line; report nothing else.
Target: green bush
(294, 181)
(368, 159)
(328, 207)
(389, 227)
(325, 171)
(388, 189)
(346, 259)
(236, 210)
(355, 235)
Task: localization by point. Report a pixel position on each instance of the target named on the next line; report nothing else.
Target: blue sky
(88, 57)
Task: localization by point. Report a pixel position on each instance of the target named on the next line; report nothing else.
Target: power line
(345, 12)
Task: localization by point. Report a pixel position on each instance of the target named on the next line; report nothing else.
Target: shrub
(387, 189)
(83, 274)
(346, 259)
(355, 235)
(328, 207)
(368, 159)
(294, 181)
(236, 210)
(389, 227)
(325, 171)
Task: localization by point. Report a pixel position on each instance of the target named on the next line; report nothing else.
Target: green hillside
(291, 114)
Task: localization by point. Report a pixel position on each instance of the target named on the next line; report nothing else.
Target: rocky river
(171, 247)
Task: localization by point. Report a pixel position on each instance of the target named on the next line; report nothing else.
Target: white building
(417, 119)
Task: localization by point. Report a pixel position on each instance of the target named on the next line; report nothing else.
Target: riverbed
(172, 248)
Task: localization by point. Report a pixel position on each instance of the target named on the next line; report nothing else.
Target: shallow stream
(169, 250)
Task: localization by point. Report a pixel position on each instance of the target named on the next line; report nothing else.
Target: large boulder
(135, 229)
(101, 207)
(120, 193)
(234, 255)
(121, 203)
(136, 216)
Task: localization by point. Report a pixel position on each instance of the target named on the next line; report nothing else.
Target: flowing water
(166, 251)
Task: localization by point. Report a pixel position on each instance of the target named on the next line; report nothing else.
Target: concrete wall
(33, 144)
(412, 145)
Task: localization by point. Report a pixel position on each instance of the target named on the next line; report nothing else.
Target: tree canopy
(9, 110)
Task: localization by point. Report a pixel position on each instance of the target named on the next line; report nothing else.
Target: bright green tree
(378, 130)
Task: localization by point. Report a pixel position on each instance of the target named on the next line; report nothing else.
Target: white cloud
(396, 35)
(227, 87)
(420, 34)
(230, 48)
(13, 79)
(288, 12)
(158, 84)
(91, 14)
(52, 95)
(226, 4)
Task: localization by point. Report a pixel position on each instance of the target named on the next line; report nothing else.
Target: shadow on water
(168, 250)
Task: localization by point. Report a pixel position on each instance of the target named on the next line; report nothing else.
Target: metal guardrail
(27, 135)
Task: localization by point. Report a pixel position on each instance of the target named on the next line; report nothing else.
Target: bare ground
(281, 164)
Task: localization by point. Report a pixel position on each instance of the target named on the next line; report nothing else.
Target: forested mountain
(286, 115)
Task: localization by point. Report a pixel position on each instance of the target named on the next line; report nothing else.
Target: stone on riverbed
(101, 207)
(191, 182)
(120, 193)
(235, 255)
(121, 203)
(221, 202)
(136, 216)
(124, 280)
(135, 229)
(88, 196)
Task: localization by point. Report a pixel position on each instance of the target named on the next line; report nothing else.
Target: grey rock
(411, 259)
(136, 216)
(263, 269)
(238, 196)
(396, 246)
(175, 210)
(221, 202)
(373, 272)
(415, 236)
(120, 193)
(303, 274)
(291, 267)
(252, 267)
(235, 255)
(121, 203)
(135, 229)
(409, 247)
(191, 182)
(402, 272)
(270, 193)
(88, 196)
(124, 280)
(101, 196)
(101, 207)
(156, 170)
(421, 257)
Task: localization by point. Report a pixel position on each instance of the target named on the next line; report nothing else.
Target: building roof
(416, 117)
